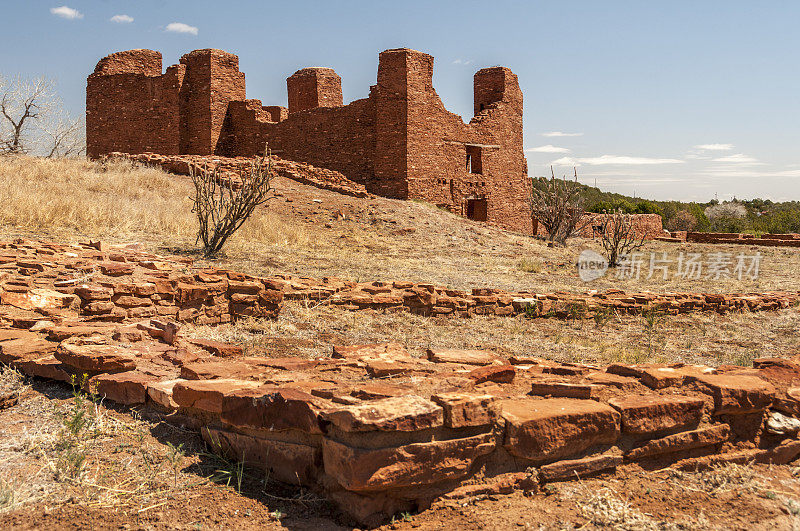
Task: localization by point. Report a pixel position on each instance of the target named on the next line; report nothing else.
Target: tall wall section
(477, 169)
(212, 81)
(131, 106)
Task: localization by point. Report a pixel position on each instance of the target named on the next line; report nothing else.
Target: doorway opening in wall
(474, 160)
(476, 209)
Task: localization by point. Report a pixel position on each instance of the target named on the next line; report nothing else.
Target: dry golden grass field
(136, 480)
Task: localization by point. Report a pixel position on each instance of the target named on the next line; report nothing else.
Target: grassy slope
(315, 232)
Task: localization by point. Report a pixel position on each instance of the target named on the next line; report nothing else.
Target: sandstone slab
(385, 351)
(160, 392)
(493, 373)
(290, 462)
(24, 348)
(650, 414)
(578, 468)
(127, 388)
(564, 389)
(96, 358)
(272, 408)
(736, 394)
(218, 348)
(687, 440)
(206, 395)
(466, 357)
(404, 413)
(463, 410)
(411, 465)
(556, 427)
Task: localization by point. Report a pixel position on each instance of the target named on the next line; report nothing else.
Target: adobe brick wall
(398, 142)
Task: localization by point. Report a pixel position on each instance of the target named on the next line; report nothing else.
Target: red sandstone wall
(131, 106)
(311, 88)
(337, 138)
(212, 81)
(438, 142)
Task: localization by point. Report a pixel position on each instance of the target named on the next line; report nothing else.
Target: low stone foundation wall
(427, 299)
(94, 284)
(769, 240)
(373, 428)
(647, 226)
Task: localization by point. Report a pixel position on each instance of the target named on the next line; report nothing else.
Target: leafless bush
(618, 236)
(222, 208)
(558, 205)
(683, 220)
(33, 120)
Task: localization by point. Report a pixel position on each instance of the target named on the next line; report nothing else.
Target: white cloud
(560, 134)
(180, 27)
(715, 147)
(121, 19)
(66, 12)
(739, 158)
(549, 148)
(750, 173)
(462, 62)
(605, 160)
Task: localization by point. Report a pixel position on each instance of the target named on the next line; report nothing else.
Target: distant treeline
(756, 216)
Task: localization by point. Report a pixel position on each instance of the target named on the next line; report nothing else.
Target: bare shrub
(618, 236)
(33, 120)
(683, 220)
(558, 206)
(222, 208)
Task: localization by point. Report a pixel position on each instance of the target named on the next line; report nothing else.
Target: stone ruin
(373, 428)
(399, 142)
(733, 238)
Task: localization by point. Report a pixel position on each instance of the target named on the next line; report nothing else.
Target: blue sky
(638, 85)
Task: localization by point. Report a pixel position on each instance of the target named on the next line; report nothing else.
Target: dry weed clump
(114, 200)
(721, 478)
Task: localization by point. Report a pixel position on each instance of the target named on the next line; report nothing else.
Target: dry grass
(115, 201)
(721, 478)
(712, 339)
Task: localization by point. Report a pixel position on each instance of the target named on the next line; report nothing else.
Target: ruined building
(398, 142)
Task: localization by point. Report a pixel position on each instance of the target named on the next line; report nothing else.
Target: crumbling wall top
(495, 84)
(146, 62)
(314, 87)
(221, 56)
(317, 71)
